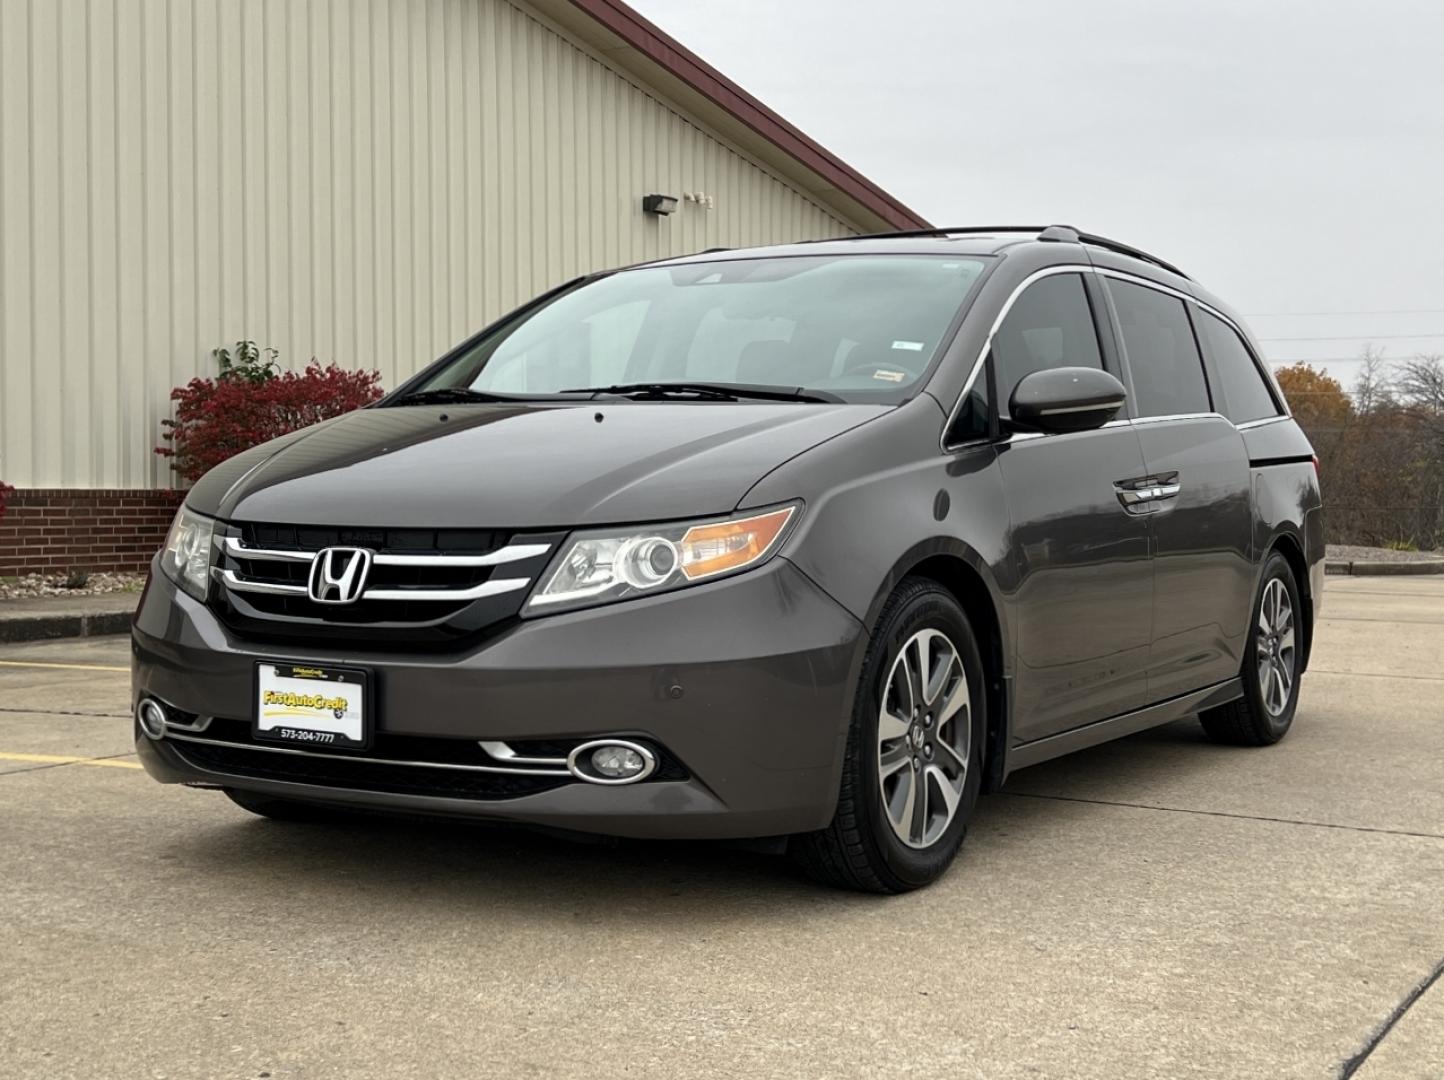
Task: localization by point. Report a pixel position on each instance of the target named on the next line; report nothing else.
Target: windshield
(860, 327)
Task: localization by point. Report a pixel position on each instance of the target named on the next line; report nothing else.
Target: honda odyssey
(814, 542)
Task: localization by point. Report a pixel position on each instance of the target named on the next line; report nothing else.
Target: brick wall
(52, 530)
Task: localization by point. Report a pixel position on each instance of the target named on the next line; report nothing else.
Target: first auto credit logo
(304, 701)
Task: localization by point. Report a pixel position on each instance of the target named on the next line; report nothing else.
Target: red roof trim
(672, 57)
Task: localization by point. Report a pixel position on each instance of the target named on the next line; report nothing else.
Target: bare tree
(1420, 384)
(1371, 387)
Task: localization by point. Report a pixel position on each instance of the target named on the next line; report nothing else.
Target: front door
(1083, 606)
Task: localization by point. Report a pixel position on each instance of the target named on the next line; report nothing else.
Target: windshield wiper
(448, 395)
(709, 392)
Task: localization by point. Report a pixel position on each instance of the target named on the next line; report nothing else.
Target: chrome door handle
(1141, 495)
(1138, 495)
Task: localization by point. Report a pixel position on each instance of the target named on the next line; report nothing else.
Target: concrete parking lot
(1160, 907)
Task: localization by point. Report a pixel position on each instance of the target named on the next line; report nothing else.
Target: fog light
(617, 762)
(611, 761)
(150, 714)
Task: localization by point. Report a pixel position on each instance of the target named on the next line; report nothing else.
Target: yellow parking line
(72, 667)
(60, 759)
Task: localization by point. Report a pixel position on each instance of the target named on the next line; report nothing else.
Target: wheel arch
(1291, 547)
(963, 573)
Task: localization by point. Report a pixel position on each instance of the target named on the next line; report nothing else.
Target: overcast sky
(1288, 155)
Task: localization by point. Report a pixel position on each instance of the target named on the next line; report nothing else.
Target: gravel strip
(35, 585)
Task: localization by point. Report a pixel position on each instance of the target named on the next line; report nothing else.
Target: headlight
(610, 564)
(186, 557)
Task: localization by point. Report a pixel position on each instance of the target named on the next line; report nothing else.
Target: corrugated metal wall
(363, 181)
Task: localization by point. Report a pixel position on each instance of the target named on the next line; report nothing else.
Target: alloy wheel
(924, 735)
(1275, 645)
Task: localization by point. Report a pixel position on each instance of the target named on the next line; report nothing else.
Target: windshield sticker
(908, 346)
(887, 375)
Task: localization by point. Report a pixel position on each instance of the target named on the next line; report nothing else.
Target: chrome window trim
(1222, 317)
(360, 757)
(1122, 275)
(1104, 271)
(1176, 294)
(1250, 424)
(1036, 275)
(1028, 436)
(974, 443)
(1181, 416)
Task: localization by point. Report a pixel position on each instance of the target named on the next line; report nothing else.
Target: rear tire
(292, 810)
(914, 760)
(1272, 658)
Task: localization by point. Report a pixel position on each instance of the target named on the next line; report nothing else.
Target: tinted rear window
(1237, 380)
(1162, 355)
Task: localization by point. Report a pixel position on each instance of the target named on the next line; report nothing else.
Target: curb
(1383, 569)
(47, 627)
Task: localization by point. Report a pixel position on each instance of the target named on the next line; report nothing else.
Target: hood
(519, 466)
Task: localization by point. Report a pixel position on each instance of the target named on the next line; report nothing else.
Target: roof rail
(1054, 233)
(1068, 234)
(934, 232)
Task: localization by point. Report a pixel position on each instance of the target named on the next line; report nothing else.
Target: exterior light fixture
(661, 205)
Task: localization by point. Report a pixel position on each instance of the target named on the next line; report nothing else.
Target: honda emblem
(338, 575)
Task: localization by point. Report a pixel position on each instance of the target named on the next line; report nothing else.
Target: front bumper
(747, 682)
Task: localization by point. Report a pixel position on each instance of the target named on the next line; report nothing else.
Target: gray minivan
(813, 542)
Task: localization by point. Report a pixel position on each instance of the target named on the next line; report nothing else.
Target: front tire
(1271, 666)
(913, 768)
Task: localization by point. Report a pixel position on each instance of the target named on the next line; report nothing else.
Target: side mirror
(1066, 399)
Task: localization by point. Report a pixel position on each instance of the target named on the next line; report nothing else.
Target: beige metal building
(365, 181)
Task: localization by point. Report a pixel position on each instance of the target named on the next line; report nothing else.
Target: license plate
(309, 706)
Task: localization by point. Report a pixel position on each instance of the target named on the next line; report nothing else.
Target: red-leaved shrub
(5, 492)
(245, 406)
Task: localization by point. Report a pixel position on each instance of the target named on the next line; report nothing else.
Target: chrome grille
(423, 585)
(493, 586)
